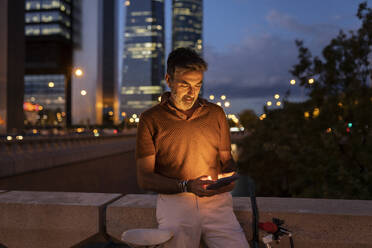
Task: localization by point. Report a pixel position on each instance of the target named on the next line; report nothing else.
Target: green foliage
(248, 119)
(291, 155)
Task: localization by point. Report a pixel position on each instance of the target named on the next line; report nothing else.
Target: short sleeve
(225, 139)
(144, 142)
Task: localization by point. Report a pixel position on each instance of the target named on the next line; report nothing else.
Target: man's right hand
(199, 185)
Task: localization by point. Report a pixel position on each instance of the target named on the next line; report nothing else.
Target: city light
(9, 138)
(19, 137)
(136, 120)
(306, 115)
(292, 82)
(83, 92)
(211, 97)
(277, 96)
(269, 103)
(227, 104)
(79, 72)
(110, 113)
(123, 114)
(134, 116)
(278, 103)
(34, 131)
(127, 3)
(340, 104)
(316, 112)
(219, 103)
(51, 84)
(223, 97)
(159, 99)
(311, 80)
(131, 120)
(263, 116)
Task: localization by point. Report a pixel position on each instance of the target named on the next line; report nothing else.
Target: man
(183, 143)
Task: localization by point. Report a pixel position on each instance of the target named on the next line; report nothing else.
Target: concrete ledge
(130, 211)
(314, 222)
(50, 219)
(61, 219)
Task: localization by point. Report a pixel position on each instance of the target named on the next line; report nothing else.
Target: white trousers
(191, 218)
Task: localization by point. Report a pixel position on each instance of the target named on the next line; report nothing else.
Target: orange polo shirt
(184, 148)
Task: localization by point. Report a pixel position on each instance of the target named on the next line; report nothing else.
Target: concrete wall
(39, 219)
(90, 164)
(104, 166)
(40, 153)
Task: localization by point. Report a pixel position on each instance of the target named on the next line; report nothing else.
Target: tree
(321, 147)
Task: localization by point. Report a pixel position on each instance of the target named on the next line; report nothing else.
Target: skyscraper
(11, 65)
(48, 31)
(95, 93)
(187, 24)
(143, 57)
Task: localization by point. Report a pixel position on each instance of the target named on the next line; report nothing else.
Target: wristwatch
(183, 185)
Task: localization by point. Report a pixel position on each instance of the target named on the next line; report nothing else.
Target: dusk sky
(249, 44)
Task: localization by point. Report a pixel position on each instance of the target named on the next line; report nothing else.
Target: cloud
(258, 66)
(289, 23)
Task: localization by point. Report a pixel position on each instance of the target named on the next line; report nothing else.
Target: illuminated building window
(32, 5)
(32, 30)
(51, 29)
(50, 4)
(140, 13)
(37, 90)
(51, 16)
(32, 17)
(141, 90)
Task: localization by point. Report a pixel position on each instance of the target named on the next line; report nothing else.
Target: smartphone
(223, 182)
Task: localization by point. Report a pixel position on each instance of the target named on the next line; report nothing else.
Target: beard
(183, 102)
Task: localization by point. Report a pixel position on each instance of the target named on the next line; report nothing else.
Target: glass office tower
(187, 24)
(48, 65)
(143, 57)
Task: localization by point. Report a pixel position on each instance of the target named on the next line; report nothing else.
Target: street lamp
(223, 97)
(278, 103)
(83, 92)
(292, 82)
(51, 84)
(79, 72)
(211, 97)
(311, 80)
(269, 103)
(277, 96)
(227, 104)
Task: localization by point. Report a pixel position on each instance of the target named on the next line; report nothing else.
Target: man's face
(185, 88)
